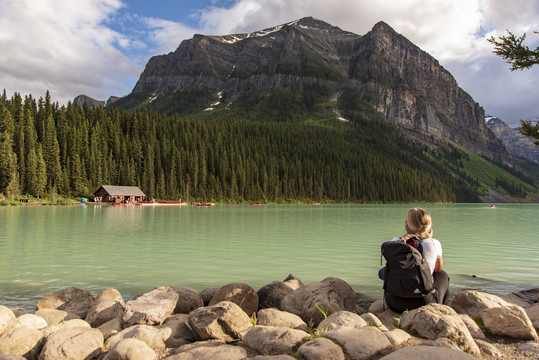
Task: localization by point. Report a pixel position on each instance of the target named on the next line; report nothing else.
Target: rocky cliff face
(403, 82)
(515, 143)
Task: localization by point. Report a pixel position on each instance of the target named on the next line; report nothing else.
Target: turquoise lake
(135, 248)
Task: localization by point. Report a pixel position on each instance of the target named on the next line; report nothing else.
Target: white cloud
(98, 48)
(62, 46)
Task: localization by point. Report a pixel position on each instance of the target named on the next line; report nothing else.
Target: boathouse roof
(120, 190)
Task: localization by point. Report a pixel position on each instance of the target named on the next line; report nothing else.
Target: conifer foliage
(47, 149)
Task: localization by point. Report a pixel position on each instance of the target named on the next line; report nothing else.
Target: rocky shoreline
(282, 320)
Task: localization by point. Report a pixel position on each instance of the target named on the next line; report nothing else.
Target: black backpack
(407, 273)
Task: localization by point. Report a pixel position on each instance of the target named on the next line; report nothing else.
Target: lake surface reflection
(134, 248)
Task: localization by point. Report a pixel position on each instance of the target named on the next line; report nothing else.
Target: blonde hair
(418, 223)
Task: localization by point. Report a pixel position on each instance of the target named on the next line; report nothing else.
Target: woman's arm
(439, 264)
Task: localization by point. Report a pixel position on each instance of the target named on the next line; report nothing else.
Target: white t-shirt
(432, 249)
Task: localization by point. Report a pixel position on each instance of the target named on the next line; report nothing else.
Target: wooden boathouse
(118, 194)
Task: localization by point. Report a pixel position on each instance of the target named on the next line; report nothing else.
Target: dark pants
(440, 296)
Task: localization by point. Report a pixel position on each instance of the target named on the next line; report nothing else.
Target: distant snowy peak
(234, 38)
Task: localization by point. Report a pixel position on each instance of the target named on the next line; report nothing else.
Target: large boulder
(274, 317)
(274, 340)
(176, 332)
(209, 350)
(108, 305)
(472, 326)
(321, 349)
(240, 294)
(21, 341)
(6, 317)
(434, 321)
(224, 321)
(189, 300)
(473, 302)
(510, 321)
(397, 337)
(29, 321)
(148, 334)
(310, 301)
(74, 323)
(342, 318)
(72, 343)
(359, 344)
(55, 316)
(72, 300)
(131, 349)
(111, 327)
(151, 308)
(272, 294)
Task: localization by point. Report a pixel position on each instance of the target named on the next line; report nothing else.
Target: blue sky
(100, 47)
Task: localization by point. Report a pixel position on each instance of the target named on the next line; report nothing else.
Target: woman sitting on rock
(414, 278)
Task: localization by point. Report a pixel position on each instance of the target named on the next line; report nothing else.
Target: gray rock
(108, 305)
(428, 353)
(274, 340)
(321, 349)
(510, 321)
(330, 295)
(145, 333)
(390, 319)
(6, 317)
(131, 349)
(274, 317)
(74, 323)
(488, 349)
(151, 308)
(189, 300)
(176, 333)
(473, 302)
(433, 321)
(21, 341)
(273, 357)
(72, 343)
(378, 307)
(207, 295)
(397, 337)
(272, 294)
(472, 326)
(359, 344)
(341, 318)
(224, 321)
(373, 320)
(533, 314)
(532, 348)
(111, 327)
(73, 300)
(240, 294)
(211, 350)
(55, 316)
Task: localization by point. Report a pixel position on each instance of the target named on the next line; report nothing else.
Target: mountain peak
(402, 82)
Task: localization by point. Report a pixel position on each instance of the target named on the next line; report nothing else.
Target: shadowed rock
(73, 300)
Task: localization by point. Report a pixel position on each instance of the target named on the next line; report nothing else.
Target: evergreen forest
(222, 156)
